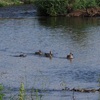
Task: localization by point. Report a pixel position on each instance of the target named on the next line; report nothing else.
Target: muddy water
(28, 34)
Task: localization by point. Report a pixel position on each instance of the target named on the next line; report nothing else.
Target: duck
(49, 54)
(22, 55)
(70, 56)
(38, 53)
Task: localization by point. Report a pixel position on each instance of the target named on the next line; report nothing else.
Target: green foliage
(81, 4)
(58, 7)
(52, 7)
(98, 2)
(9, 2)
(28, 1)
(1, 94)
(91, 3)
(22, 92)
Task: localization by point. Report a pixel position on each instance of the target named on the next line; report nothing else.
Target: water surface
(61, 35)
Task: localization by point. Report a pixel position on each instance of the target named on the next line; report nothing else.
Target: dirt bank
(89, 12)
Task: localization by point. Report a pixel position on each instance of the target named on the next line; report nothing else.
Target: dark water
(61, 35)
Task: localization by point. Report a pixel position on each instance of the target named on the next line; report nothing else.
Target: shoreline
(30, 9)
(89, 12)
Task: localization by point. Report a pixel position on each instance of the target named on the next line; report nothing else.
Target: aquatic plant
(22, 92)
(1, 92)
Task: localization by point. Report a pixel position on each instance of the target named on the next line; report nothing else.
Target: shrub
(52, 7)
(91, 3)
(81, 4)
(98, 2)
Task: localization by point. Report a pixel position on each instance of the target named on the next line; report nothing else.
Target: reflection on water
(74, 23)
(75, 27)
(61, 35)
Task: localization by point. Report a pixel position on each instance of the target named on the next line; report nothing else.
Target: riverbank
(20, 11)
(10, 2)
(89, 12)
(14, 2)
(70, 8)
(44, 9)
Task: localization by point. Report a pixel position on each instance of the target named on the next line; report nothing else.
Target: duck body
(38, 53)
(70, 56)
(48, 54)
(22, 55)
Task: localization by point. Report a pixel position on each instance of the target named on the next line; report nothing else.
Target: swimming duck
(22, 55)
(38, 53)
(49, 54)
(70, 56)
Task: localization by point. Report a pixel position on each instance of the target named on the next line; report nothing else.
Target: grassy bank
(9, 2)
(61, 7)
(14, 2)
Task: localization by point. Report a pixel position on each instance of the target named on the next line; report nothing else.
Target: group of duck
(49, 55)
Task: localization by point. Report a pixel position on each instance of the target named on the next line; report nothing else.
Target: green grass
(22, 92)
(1, 92)
(9, 2)
(59, 7)
(14, 2)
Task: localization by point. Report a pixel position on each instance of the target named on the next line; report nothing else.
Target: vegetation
(54, 7)
(14, 2)
(82, 4)
(9, 2)
(21, 95)
(60, 7)
(51, 7)
(35, 92)
(22, 92)
(1, 92)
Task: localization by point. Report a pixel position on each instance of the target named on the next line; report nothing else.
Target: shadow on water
(75, 27)
(71, 23)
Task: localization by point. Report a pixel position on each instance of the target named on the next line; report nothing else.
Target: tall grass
(22, 92)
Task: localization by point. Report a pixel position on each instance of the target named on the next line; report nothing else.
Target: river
(25, 32)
